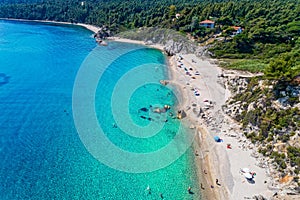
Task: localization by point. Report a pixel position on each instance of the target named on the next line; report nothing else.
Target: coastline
(217, 161)
(203, 181)
(200, 145)
(118, 39)
(93, 29)
(90, 27)
(213, 159)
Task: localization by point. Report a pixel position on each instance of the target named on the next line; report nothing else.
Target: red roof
(207, 22)
(236, 27)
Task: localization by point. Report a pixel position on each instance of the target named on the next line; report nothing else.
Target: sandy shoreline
(118, 39)
(214, 160)
(203, 166)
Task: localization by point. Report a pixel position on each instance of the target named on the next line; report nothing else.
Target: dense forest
(270, 27)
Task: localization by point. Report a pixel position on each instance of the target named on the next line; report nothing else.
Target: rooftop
(236, 27)
(207, 22)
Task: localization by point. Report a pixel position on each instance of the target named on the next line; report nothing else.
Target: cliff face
(172, 41)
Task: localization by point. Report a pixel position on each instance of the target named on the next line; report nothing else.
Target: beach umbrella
(217, 138)
(248, 175)
(245, 170)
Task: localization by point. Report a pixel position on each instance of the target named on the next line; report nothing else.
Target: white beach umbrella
(245, 170)
(248, 175)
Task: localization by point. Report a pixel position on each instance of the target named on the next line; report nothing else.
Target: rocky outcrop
(250, 104)
(172, 41)
(102, 33)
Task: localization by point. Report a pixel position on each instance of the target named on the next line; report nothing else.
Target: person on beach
(190, 190)
(201, 185)
(217, 182)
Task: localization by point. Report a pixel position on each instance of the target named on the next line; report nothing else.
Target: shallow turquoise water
(42, 156)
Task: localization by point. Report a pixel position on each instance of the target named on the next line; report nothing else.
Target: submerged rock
(144, 109)
(103, 33)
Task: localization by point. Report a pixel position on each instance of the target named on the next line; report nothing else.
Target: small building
(207, 24)
(237, 29)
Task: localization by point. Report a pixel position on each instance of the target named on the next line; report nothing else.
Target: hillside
(269, 27)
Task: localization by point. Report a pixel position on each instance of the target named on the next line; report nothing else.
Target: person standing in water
(190, 190)
(148, 189)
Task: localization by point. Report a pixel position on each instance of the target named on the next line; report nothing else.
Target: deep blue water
(42, 155)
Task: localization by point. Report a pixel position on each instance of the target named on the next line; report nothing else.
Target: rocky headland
(172, 42)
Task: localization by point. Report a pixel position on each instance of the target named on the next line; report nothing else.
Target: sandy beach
(214, 160)
(118, 39)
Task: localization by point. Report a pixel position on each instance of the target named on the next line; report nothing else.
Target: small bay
(42, 156)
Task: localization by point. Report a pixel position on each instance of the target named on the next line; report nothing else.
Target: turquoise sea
(43, 154)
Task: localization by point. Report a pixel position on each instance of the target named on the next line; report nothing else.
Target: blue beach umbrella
(217, 138)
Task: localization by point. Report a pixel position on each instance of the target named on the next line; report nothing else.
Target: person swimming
(161, 195)
(148, 189)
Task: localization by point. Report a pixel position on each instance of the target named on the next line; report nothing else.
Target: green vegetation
(156, 35)
(250, 65)
(284, 68)
(274, 124)
(294, 155)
